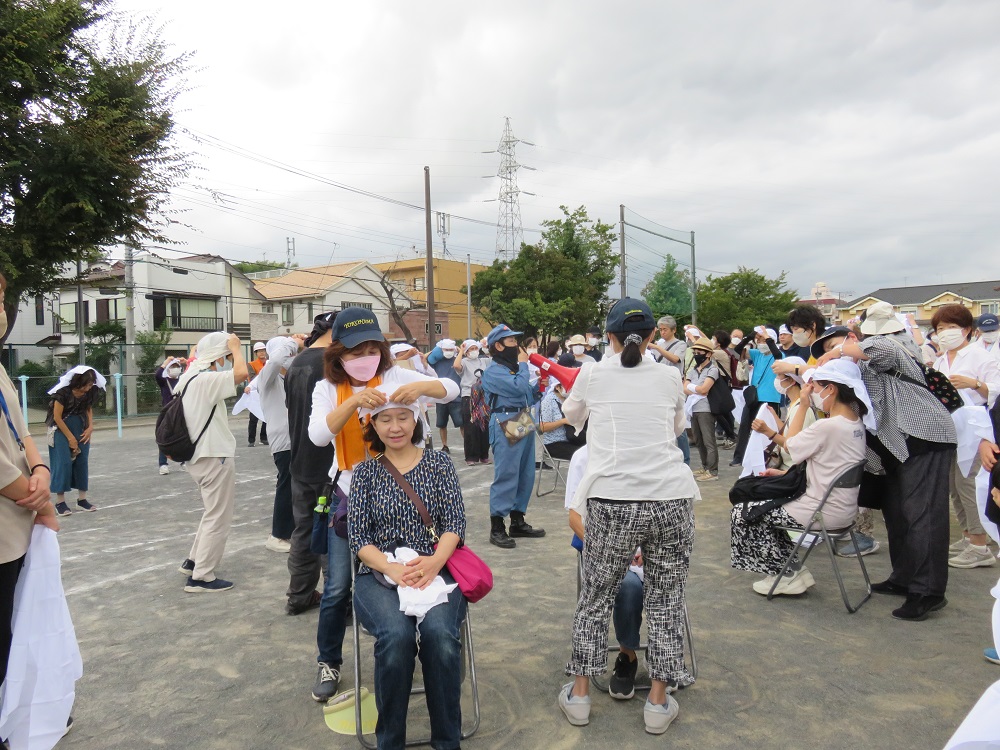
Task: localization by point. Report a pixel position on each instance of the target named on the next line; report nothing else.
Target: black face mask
(507, 357)
(699, 359)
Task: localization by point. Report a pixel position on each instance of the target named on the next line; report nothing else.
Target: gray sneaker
(957, 548)
(657, 717)
(576, 709)
(327, 682)
(866, 546)
(973, 557)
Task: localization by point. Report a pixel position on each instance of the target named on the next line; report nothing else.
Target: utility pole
(289, 251)
(694, 286)
(431, 333)
(468, 292)
(621, 247)
(79, 311)
(131, 386)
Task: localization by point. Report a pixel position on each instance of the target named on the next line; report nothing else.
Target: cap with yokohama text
(356, 325)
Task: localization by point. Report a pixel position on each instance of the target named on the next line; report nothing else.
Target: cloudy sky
(855, 142)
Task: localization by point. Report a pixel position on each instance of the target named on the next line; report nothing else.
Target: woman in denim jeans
(381, 518)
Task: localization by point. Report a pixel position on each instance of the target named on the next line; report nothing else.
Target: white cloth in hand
(753, 456)
(418, 602)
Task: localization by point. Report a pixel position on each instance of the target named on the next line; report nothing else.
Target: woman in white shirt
(636, 492)
(976, 375)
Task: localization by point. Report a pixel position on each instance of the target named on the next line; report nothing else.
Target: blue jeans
(628, 611)
(513, 470)
(377, 610)
(68, 472)
(333, 605)
(684, 443)
(162, 459)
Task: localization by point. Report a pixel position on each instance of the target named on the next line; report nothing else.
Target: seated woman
(789, 385)
(828, 447)
(381, 519)
(561, 440)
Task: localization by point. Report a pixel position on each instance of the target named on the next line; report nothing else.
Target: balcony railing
(190, 323)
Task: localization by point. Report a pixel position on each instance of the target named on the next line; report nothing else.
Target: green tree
(87, 153)
(669, 291)
(152, 346)
(558, 285)
(104, 344)
(252, 266)
(743, 299)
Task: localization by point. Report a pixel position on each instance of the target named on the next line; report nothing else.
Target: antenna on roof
(289, 251)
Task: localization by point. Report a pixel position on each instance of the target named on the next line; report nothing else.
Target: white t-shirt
(973, 362)
(469, 369)
(324, 400)
(635, 416)
(829, 446)
(208, 388)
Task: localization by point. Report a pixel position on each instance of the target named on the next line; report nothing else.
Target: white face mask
(762, 348)
(173, 372)
(531, 351)
(779, 387)
(577, 349)
(817, 401)
(800, 338)
(990, 337)
(448, 353)
(474, 354)
(950, 338)
(591, 341)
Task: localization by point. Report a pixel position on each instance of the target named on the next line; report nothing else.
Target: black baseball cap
(817, 346)
(619, 316)
(356, 325)
(321, 324)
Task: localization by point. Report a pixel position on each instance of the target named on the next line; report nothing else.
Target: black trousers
(477, 439)
(917, 520)
(727, 424)
(563, 449)
(9, 573)
(303, 566)
(749, 414)
(252, 430)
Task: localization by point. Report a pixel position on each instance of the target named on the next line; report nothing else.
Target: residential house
(450, 301)
(821, 297)
(28, 338)
(979, 296)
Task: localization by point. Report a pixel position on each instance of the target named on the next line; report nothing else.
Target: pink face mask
(362, 368)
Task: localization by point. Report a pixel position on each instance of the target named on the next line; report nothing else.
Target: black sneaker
(207, 587)
(85, 505)
(520, 527)
(498, 533)
(888, 587)
(63, 510)
(297, 609)
(327, 682)
(622, 685)
(251, 444)
(187, 567)
(917, 607)
(444, 449)
(264, 442)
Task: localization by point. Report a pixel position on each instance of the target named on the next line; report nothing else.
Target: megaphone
(565, 375)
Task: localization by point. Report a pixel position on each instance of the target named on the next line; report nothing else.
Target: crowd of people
(347, 419)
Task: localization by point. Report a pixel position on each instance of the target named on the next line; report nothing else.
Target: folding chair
(849, 478)
(600, 682)
(468, 670)
(557, 471)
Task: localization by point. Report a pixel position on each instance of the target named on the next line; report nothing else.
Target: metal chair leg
(852, 608)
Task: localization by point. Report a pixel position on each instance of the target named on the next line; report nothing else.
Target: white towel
(44, 660)
(753, 456)
(689, 403)
(972, 423)
(418, 602)
(250, 402)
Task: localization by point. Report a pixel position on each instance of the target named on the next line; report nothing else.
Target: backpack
(172, 435)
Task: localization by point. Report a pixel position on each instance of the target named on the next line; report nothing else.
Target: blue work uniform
(513, 465)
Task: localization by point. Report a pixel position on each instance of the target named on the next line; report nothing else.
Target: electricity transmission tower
(509, 231)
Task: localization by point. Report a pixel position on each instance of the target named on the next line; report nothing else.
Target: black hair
(81, 379)
(551, 349)
(723, 338)
(806, 317)
(846, 395)
(631, 349)
(375, 444)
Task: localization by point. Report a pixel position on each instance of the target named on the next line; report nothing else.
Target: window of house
(268, 308)
(418, 283)
(309, 312)
(437, 328)
(348, 303)
(990, 307)
(287, 314)
(39, 310)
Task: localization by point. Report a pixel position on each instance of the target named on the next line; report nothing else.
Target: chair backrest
(848, 478)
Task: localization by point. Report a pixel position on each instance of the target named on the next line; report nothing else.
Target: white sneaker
(277, 545)
(658, 717)
(973, 557)
(958, 547)
(164, 469)
(576, 709)
(797, 583)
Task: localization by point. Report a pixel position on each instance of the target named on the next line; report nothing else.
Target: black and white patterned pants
(759, 546)
(664, 529)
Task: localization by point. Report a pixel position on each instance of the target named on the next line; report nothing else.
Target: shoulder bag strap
(10, 422)
(210, 414)
(410, 493)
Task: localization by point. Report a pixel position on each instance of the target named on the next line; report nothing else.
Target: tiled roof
(306, 282)
(916, 295)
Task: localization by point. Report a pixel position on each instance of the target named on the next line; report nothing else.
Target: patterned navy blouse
(380, 513)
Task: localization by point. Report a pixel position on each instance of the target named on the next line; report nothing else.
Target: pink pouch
(473, 576)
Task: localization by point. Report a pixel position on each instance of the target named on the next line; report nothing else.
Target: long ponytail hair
(632, 346)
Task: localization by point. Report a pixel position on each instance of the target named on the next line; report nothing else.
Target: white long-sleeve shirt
(324, 400)
(635, 416)
(974, 362)
(271, 387)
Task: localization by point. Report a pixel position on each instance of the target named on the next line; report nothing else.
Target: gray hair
(668, 321)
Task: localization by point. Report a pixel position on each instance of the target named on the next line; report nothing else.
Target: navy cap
(321, 324)
(988, 322)
(817, 346)
(626, 308)
(568, 360)
(501, 331)
(356, 325)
